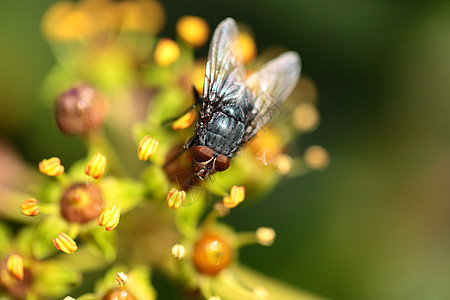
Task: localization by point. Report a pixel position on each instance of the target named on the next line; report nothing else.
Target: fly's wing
(270, 86)
(224, 71)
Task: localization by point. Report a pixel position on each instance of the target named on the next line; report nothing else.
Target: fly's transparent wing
(270, 86)
(224, 71)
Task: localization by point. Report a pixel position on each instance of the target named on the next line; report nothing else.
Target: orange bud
(175, 198)
(64, 243)
(51, 166)
(167, 51)
(14, 264)
(237, 195)
(29, 207)
(110, 218)
(147, 147)
(96, 166)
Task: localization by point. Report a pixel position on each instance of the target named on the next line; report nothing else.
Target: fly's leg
(198, 100)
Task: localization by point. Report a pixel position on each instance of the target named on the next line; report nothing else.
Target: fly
(232, 108)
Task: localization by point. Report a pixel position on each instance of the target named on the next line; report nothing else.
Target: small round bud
(14, 265)
(175, 198)
(178, 251)
(316, 157)
(167, 51)
(81, 203)
(193, 30)
(65, 243)
(109, 218)
(283, 163)
(185, 121)
(237, 195)
(51, 167)
(121, 279)
(147, 147)
(305, 117)
(265, 236)
(211, 254)
(29, 207)
(96, 166)
(80, 110)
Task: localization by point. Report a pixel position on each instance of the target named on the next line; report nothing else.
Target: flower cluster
(133, 198)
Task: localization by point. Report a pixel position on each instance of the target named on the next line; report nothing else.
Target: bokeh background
(376, 223)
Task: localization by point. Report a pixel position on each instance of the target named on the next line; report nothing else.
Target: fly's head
(207, 162)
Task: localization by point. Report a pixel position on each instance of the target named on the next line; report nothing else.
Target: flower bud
(265, 236)
(147, 147)
(96, 166)
(64, 243)
(51, 166)
(237, 195)
(81, 203)
(316, 157)
(167, 51)
(178, 251)
(14, 265)
(80, 110)
(121, 279)
(193, 30)
(185, 120)
(211, 254)
(29, 207)
(110, 218)
(175, 198)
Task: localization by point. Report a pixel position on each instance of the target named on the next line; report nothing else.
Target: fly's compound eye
(222, 163)
(202, 154)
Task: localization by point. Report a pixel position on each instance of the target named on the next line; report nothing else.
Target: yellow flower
(109, 218)
(64, 243)
(121, 279)
(237, 195)
(147, 147)
(29, 207)
(185, 120)
(247, 47)
(175, 198)
(14, 264)
(51, 166)
(167, 51)
(96, 166)
(193, 30)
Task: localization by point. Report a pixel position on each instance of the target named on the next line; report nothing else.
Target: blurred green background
(376, 223)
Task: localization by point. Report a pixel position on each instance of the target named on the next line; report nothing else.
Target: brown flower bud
(81, 203)
(80, 110)
(212, 254)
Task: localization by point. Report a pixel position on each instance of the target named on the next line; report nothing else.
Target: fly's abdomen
(225, 130)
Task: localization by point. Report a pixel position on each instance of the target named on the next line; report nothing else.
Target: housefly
(234, 108)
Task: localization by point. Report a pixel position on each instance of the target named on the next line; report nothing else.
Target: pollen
(175, 198)
(110, 218)
(167, 51)
(237, 195)
(14, 264)
(51, 166)
(193, 30)
(147, 147)
(63, 242)
(96, 166)
(185, 121)
(29, 207)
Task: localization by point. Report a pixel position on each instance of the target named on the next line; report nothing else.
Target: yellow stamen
(178, 251)
(96, 166)
(109, 218)
(14, 265)
(237, 195)
(29, 207)
(175, 198)
(51, 166)
(121, 279)
(167, 51)
(185, 120)
(147, 147)
(193, 30)
(64, 243)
